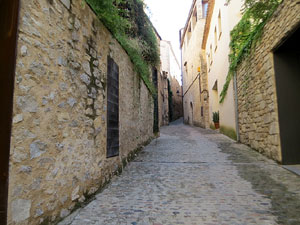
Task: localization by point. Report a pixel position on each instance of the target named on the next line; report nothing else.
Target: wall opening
(192, 111)
(155, 112)
(9, 11)
(112, 108)
(287, 74)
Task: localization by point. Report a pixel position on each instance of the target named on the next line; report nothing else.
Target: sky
(168, 17)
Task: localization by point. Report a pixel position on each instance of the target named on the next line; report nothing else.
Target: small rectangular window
(219, 24)
(112, 108)
(189, 33)
(194, 19)
(210, 54)
(216, 39)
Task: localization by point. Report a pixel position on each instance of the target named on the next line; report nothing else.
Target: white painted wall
(169, 62)
(230, 15)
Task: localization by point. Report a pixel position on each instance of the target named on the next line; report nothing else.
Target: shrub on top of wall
(246, 33)
(130, 25)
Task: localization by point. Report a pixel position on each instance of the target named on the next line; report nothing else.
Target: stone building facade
(177, 107)
(195, 97)
(162, 89)
(170, 65)
(268, 88)
(163, 103)
(58, 153)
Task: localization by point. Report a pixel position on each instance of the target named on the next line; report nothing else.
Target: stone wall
(163, 104)
(58, 146)
(257, 100)
(170, 66)
(176, 98)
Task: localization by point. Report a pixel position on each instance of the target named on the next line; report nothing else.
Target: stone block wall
(176, 98)
(193, 57)
(163, 104)
(257, 100)
(58, 146)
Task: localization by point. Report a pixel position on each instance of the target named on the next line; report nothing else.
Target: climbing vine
(246, 33)
(131, 27)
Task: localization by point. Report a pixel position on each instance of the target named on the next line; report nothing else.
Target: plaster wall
(217, 60)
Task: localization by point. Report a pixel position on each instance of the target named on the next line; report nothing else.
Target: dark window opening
(155, 122)
(112, 108)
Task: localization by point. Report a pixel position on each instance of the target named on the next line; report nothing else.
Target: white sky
(168, 17)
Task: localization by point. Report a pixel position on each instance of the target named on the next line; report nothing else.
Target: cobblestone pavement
(194, 176)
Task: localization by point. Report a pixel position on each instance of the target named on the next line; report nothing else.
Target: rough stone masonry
(58, 146)
(258, 109)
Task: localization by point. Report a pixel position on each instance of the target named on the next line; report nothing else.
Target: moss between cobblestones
(285, 204)
(88, 198)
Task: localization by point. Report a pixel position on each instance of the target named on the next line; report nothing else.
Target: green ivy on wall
(245, 34)
(130, 25)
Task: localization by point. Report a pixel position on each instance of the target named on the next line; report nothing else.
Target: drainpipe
(236, 107)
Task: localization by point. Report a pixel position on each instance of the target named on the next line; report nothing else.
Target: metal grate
(112, 108)
(155, 122)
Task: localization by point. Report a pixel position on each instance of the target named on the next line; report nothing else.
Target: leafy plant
(246, 33)
(131, 27)
(216, 117)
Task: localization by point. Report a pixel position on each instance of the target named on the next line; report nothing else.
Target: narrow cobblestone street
(194, 176)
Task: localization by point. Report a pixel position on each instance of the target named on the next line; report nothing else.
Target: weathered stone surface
(20, 209)
(66, 3)
(63, 117)
(38, 212)
(85, 78)
(62, 105)
(24, 50)
(93, 93)
(77, 24)
(19, 154)
(27, 103)
(59, 146)
(75, 195)
(61, 61)
(64, 144)
(258, 102)
(64, 213)
(18, 118)
(72, 102)
(37, 148)
(75, 36)
(86, 68)
(25, 169)
(37, 68)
